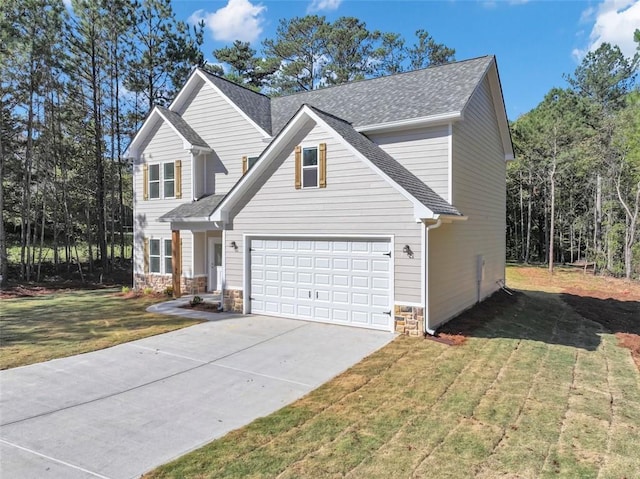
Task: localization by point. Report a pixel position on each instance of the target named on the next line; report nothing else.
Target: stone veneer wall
(232, 300)
(160, 282)
(409, 320)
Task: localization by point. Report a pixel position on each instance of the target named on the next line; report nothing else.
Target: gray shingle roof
(394, 170)
(183, 127)
(255, 105)
(420, 93)
(196, 209)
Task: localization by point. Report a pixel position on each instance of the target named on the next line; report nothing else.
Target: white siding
(356, 201)
(227, 132)
(164, 146)
(479, 193)
(423, 151)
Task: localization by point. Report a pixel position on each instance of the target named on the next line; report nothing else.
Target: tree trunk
(4, 266)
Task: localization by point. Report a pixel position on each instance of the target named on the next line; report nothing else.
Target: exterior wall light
(407, 250)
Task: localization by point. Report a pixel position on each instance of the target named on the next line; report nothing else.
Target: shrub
(196, 301)
(126, 290)
(168, 291)
(147, 290)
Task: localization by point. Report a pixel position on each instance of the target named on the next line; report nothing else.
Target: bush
(168, 291)
(126, 290)
(148, 290)
(196, 301)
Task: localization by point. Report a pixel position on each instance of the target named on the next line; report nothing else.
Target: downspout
(427, 329)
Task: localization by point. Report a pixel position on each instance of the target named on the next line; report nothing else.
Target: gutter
(427, 329)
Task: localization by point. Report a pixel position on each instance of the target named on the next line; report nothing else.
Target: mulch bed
(204, 306)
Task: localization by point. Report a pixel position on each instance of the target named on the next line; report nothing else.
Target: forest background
(74, 89)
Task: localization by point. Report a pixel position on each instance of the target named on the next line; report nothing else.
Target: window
(154, 181)
(251, 161)
(168, 269)
(310, 167)
(248, 162)
(154, 256)
(169, 180)
(162, 180)
(160, 256)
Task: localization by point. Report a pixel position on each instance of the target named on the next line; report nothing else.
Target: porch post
(176, 262)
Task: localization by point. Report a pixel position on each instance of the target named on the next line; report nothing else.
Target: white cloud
(323, 5)
(238, 20)
(67, 4)
(614, 22)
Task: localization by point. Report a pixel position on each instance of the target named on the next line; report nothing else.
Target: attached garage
(334, 280)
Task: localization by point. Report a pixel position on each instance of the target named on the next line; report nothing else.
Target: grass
(39, 328)
(535, 390)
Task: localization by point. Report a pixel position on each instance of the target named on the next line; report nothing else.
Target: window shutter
(298, 167)
(178, 180)
(145, 182)
(323, 165)
(146, 255)
(245, 164)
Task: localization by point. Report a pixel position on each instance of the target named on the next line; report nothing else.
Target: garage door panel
(305, 262)
(360, 282)
(360, 299)
(341, 280)
(360, 317)
(379, 265)
(287, 292)
(380, 283)
(335, 281)
(341, 297)
(270, 275)
(323, 263)
(287, 276)
(340, 264)
(288, 261)
(360, 265)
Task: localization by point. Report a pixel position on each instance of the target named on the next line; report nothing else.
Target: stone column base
(233, 300)
(409, 320)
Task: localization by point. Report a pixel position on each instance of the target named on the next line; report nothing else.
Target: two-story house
(378, 203)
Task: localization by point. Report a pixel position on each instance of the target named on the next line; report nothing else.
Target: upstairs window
(169, 180)
(248, 162)
(162, 180)
(310, 167)
(154, 181)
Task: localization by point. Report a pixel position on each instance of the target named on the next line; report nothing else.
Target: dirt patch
(620, 317)
(29, 290)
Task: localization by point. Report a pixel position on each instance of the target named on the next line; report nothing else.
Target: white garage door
(334, 281)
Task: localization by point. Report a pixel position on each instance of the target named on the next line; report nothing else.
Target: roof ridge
(393, 75)
(232, 83)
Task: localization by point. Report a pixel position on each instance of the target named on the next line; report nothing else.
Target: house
(378, 203)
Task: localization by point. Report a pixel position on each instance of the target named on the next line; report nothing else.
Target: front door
(215, 264)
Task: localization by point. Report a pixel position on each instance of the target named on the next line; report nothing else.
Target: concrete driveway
(120, 412)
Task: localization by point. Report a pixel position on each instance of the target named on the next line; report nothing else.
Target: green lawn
(40, 328)
(535, 391)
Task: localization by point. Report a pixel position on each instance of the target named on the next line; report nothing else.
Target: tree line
(573, 195)
(75, 86)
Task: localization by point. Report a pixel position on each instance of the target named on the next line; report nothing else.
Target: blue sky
(535, 42)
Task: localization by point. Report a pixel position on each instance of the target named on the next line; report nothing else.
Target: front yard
(42, 327)
(535, 390)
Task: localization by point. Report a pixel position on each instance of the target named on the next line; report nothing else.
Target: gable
(353, 192)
